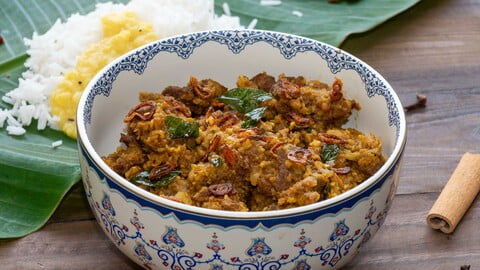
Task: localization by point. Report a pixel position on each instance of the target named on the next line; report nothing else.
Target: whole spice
(222, 189)
(457, 195)
(420, 103)
(299, 155)
(1, 40)
(144, 111)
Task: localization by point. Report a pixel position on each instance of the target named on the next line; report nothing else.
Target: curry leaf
(177, 128)
(142, 178)
(252, 117)
(217, 161)
(329, 152)
(245, 100)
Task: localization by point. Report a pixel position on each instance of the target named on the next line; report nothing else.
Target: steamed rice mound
(63, 60)
(296, 155)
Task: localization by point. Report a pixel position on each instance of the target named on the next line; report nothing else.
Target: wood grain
(433, 49)
(71, 245)
(405, 242)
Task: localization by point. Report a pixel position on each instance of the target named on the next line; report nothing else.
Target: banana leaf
(34, 177)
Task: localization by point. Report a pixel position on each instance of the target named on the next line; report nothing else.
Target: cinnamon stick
(457, 195)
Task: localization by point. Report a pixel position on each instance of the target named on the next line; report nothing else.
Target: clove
(420, 103)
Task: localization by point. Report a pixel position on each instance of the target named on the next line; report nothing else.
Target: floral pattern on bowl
(161, 234)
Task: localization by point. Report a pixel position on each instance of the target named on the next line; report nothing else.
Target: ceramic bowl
(162, 234)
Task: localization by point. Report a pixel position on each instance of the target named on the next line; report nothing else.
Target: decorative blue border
(230, 221)
(175, 253)
(236, 41)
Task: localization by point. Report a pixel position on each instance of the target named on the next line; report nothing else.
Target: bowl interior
(156, 66)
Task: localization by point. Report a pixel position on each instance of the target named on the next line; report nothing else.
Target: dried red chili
(214, 143)
(253, 133)
(331, 139)
(336, 92)
(209, 112)
(144, 111)
(201, 92)
(161, 170)
(179, 106)
(258, 137)
(222, 189)
(227, 120)
(219, 105)
(229, 156)
(212, 147)
(275, 147)
(341, 171)
(1, 40)
(301, 122)
(299, 155)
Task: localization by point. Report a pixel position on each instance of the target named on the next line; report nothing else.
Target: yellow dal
(122, 32)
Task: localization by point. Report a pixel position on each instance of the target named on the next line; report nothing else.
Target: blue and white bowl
(162, 234)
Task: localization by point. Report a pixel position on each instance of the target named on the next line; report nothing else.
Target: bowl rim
(84, 140)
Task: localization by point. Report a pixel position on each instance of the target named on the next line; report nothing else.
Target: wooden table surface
(432, 49)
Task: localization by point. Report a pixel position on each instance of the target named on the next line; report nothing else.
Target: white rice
(55, 53)
(270, 2)
(13, 130)
(56, 144)
(297, 13)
